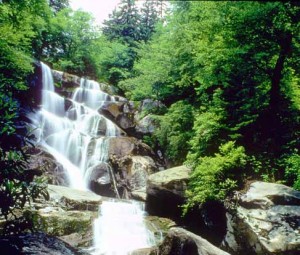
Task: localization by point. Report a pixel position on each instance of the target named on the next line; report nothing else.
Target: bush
(175, 131)
(292, 170)
(216, 176)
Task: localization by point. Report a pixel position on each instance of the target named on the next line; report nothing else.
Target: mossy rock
(58, 222)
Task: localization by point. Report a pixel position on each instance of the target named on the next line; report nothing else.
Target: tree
(123, 24)
(68, 42)
(148, 20)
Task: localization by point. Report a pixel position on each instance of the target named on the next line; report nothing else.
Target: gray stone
(35, 244)
(167, 188)
(146, 125)
(74, 199)
(173, 179)
(266, 221)
(180, 241)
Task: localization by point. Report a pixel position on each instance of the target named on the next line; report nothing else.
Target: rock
(59, 222)
(43, 162)
(152, 106)
(266, 221)
(36, 243)
(139, 194)
(121, 113)
(263, 195)
(180, 241)
(145, 251)
(74, 199)
(159, 226)
(133, 172)
(100, 180)
(146, 125)
(124, 146)
(141, 168)
(68, 214)
(167, 188)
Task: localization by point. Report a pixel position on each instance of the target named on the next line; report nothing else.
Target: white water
(120, 229)
(71, 134)
(78, 138)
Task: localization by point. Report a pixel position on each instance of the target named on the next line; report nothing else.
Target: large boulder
(180, 241)
(121, 113)
(130, 163)
(166, 196)
(266, 221)
(35, 244)
(167, 188)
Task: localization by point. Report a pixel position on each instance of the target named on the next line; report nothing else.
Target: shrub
(216, 176)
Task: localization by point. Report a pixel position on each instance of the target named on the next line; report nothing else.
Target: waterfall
(74, 132)
(120, 229)
(70, 134)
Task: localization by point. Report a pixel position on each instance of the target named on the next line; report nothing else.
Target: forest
(226, 72)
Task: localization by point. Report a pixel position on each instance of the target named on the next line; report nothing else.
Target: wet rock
(100, 180)
(266, 221)
(47, 166)
(65, 83)
(37, 243)
(180, 241)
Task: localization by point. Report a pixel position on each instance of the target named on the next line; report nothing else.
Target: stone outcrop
(146, 125)
(124, 146)
(165, 197)
(69, 214)
(180, 241)
(266, 221)
(36, 244)
(167, 188)
(121, 113)
(74, 199)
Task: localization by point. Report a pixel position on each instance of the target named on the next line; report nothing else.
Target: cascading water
(69, 135)
(78, 138)
(120, 229)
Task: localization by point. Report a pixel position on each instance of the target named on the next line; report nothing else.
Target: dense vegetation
(227, 72)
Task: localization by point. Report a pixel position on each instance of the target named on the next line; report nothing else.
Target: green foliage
(111, 58)
(152, 70)
(20, 25)
(68, 43)
(216, 176)
(236, 63)
(174, 131)
(292, 170)
(209, 129)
